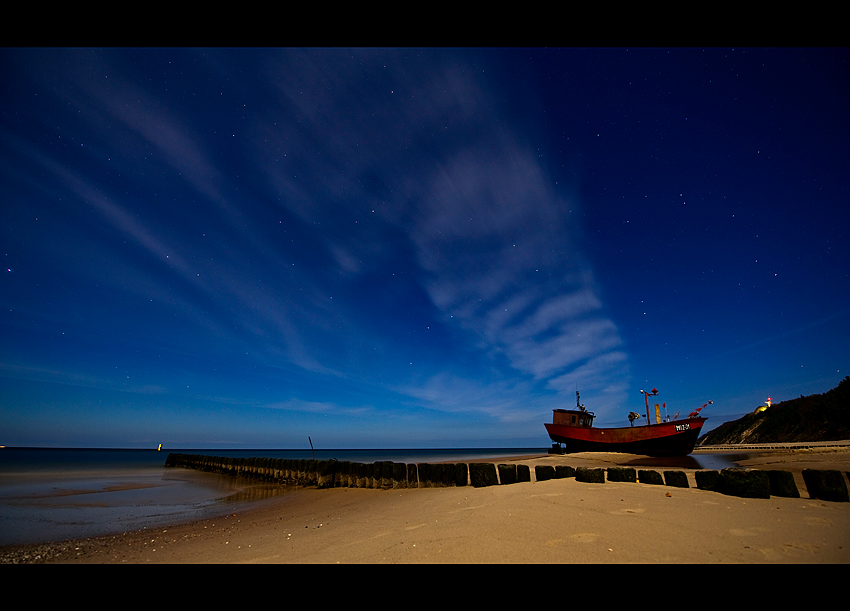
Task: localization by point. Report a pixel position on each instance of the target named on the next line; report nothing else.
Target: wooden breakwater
(750, 483)
(344, 474)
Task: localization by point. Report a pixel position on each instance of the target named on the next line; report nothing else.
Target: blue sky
(393, 248)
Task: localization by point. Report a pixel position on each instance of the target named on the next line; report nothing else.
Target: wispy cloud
(370, 180)
(321, 407)
(493, 242)
(118, 383)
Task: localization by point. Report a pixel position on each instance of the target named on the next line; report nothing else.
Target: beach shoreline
(559, 520)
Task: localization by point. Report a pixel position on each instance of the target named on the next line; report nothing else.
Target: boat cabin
(572, 417)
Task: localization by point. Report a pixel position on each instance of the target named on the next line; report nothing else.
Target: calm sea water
(53, 494)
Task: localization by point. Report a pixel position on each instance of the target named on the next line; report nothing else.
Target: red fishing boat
(573, 429)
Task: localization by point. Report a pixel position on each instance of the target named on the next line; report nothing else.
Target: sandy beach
(553, 521)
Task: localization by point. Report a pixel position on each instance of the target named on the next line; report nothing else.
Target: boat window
(573, 420)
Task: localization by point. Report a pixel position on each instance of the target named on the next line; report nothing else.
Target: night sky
(400, 248)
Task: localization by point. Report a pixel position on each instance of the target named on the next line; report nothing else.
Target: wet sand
(554, 521)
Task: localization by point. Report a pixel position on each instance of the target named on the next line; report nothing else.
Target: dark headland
(815, 418)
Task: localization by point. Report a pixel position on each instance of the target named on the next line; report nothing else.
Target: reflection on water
(230, 489)
(257, 492)
(713, 460)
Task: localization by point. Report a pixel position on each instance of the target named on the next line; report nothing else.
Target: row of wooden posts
(826, 485)
(345, 474)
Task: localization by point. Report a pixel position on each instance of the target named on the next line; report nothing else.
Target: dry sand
(554, 521)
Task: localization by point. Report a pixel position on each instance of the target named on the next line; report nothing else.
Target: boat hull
(676, 438)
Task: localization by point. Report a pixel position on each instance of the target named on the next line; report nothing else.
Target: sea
(57, 494)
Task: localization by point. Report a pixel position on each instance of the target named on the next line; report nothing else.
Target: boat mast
(646, 395)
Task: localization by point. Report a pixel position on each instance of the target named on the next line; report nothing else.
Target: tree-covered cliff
(823, 417)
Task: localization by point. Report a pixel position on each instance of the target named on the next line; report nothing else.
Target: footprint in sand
(623, 512)
(747, 532)
(788, 549)
(585, 537)
(578, 537)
